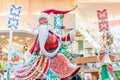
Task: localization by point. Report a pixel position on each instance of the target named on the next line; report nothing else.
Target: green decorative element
(105, 75)
(117, 73)
(90, 51)
(80, 45)
(64, 51)
(1, 67)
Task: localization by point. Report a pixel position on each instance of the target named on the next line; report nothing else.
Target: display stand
(9, 54)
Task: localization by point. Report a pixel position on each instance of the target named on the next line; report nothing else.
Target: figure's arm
(36, 43)
(28, 54)
(70, 36)
(66, 37)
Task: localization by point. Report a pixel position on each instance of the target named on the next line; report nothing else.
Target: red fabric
(45, 70)
(72, 75)
(54, 11)
(62, 67)
(52, 41)
(75, 72)
(102, 20)
(64, 38)
(64, 79)
(33, 47)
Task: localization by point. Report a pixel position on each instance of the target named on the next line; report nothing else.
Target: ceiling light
(7, 39)
(14, 42)
(2, 37)
(27, 38)
(15, 37)
(20, 40)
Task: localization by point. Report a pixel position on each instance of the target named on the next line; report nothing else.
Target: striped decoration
(37, 70)
(102, 20)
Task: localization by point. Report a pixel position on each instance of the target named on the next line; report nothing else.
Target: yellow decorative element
(43, 67)
(1, 67)
(32, 67)
(37, 68)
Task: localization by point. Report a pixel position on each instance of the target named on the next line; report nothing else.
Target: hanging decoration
(58, 23)
(14, 16)
(103, 20)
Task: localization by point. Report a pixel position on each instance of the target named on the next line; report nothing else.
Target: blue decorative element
(56, 30)
(58, 21)
(14, 16)
(8, 71)
(50, 75)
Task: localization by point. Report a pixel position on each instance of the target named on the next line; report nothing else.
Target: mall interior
(86, 31)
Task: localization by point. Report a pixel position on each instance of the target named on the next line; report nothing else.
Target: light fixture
(14, 42)
(15, 37)
(27, 38)
(2, 36)
(20, 40)
(7, 39)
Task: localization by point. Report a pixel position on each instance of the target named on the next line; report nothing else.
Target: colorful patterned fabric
(14, 16)
(35, 71)
(51, 76)
(62, 67)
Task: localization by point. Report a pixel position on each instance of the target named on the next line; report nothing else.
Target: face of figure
(43, 29)
(43, 21)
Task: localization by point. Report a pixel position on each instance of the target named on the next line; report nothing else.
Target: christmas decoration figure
(49, 44)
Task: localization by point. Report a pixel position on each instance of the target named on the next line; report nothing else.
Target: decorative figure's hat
(46, 13)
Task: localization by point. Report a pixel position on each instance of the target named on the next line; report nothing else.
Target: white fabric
(43, 36)
(43, 15)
